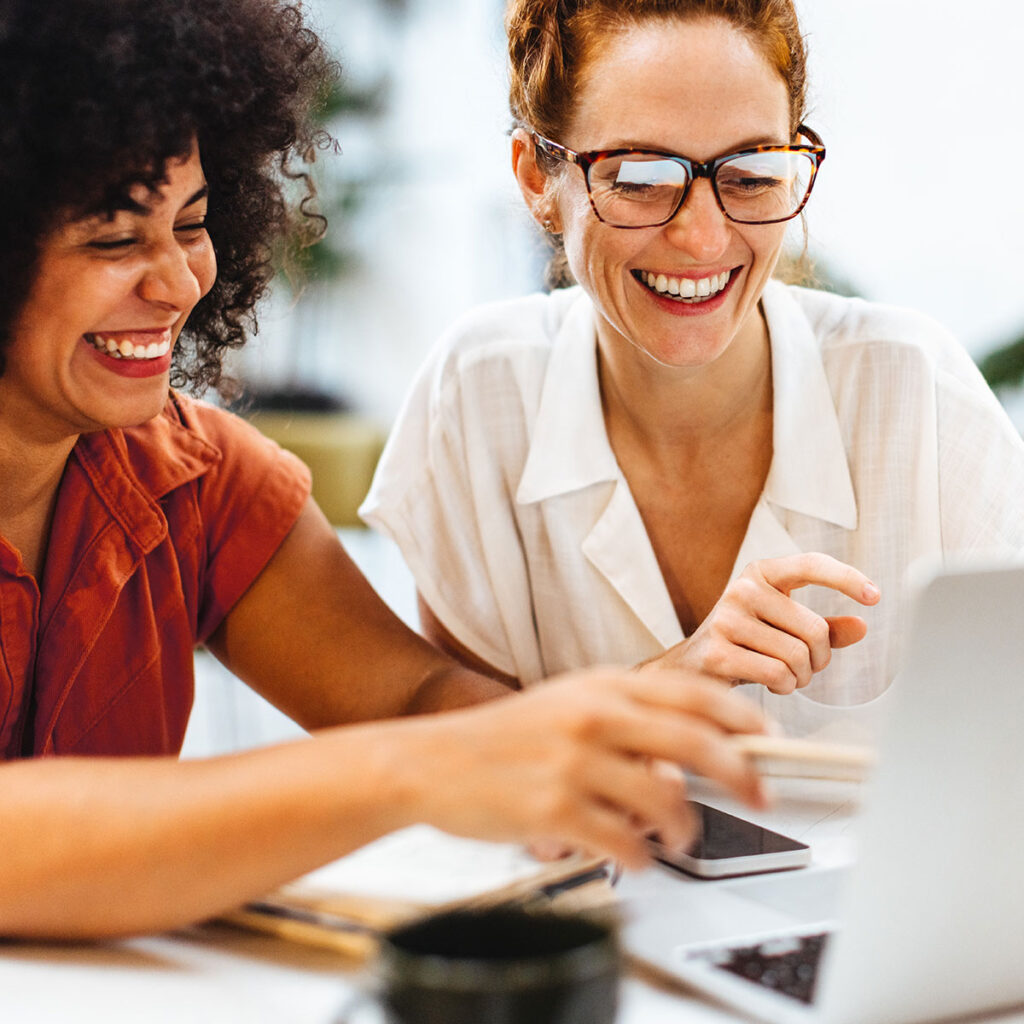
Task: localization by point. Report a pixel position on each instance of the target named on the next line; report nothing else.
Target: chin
(688, 354)
(136, 419)
(131, 414)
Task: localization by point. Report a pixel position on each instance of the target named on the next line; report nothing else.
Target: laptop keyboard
(788, 964)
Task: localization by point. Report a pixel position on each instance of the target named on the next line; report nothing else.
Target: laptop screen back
(934, 911)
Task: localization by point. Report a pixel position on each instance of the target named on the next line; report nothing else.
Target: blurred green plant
(339, 196)
(1003, 367)
(322, 246)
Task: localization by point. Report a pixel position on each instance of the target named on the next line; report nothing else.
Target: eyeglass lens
(640, 189)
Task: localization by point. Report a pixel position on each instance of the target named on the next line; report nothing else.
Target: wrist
(394, 767)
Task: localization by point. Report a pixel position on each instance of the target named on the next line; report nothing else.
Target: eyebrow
(129, 205)
(739, 147)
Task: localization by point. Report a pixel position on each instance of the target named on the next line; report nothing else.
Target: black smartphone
(730, 846)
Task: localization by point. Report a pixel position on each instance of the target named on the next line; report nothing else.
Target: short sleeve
(248, 502)
(981, 469)
(439, 494)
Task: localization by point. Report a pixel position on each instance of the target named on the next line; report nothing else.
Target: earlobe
(534, 182)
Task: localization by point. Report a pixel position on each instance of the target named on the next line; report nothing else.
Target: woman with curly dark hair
(146, 144)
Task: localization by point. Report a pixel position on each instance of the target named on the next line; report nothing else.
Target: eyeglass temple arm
(813, 136)
(555, 150)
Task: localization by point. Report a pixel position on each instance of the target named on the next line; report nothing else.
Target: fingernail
(871, 592)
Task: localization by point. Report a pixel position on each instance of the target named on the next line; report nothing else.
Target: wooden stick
(781, 755)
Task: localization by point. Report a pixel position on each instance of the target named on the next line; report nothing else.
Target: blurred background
(919, 204)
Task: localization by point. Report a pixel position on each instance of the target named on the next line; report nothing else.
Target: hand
(554, 850)
(576, 761)
(549, 849)
(757, 634)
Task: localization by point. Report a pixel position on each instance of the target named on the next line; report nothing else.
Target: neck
(28, 473)
(33, 450)
(675, 412)
(31, 475)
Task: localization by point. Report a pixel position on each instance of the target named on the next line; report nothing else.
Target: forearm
(454, 686)
(94, 848)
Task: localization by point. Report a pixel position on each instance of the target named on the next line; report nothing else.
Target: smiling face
(684, 293)
(91, 346)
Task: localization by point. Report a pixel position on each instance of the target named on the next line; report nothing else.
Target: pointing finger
(814, 568)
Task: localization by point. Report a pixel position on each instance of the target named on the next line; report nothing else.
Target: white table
(218, 975)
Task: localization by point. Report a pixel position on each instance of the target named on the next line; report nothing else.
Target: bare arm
(103, 847)
(313, 637)
(96, 848)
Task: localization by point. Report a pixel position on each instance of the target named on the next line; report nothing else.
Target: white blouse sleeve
(438, 493)
(981, 467)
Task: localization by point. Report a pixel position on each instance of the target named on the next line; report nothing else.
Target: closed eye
(113, 244)
(120, 244)
(633, 189)
(752, 184)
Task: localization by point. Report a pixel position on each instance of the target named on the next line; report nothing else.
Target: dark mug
(497, 966)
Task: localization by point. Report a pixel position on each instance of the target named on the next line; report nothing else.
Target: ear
(536, 185)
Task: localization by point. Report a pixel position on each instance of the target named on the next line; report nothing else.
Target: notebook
(347, 904)
(927, 923)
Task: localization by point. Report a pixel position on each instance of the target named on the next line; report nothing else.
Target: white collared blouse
(500, 488)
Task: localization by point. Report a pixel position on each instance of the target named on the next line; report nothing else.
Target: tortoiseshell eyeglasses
(638, 188)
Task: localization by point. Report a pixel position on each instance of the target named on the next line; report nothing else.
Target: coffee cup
(494, 966)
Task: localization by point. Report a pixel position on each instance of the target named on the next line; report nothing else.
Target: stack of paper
(346, 904)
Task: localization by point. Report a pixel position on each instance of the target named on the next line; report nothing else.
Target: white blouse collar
(569, 449)
(809, 474)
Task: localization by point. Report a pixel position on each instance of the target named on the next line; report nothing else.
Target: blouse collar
(809, 473)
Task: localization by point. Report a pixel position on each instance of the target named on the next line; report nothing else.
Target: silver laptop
(928, 923)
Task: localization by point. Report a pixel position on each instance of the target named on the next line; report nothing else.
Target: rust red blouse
(158, 531)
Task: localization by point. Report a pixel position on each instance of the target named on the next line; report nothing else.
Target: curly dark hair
(102, 94)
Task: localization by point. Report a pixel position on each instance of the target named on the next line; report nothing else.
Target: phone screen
(725, 836)
(730, 846)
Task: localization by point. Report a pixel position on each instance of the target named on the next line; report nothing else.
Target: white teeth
(686, 287)
(126, 350)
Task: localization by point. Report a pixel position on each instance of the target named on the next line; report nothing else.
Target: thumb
(844, 630)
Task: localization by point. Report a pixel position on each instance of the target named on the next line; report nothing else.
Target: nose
(170, 279)
(700, 228)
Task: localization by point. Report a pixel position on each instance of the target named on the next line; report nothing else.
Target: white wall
(919, 202)
(921, 199)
